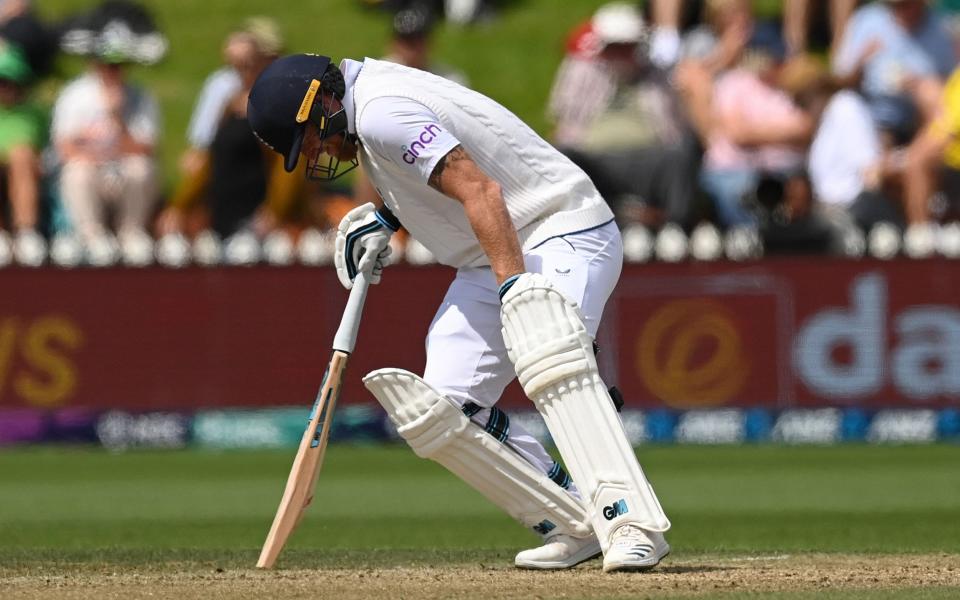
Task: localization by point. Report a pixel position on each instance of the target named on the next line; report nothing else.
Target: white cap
(618, 23)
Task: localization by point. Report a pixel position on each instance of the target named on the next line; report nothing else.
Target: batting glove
(363, 243)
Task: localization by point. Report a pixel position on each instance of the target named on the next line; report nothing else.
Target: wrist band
(507, 284)
(386, 218)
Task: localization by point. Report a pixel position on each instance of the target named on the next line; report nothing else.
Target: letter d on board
(862, 327)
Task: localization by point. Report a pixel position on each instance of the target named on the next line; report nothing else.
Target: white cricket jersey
(407, 120)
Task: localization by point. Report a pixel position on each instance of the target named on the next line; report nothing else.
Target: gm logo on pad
(615, 510)
(544, 527)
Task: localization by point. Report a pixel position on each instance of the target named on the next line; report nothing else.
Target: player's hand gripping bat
(306, 466)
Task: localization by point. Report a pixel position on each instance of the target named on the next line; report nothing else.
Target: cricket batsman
(537, 255)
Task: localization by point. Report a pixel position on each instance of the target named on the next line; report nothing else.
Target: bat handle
(346, 337)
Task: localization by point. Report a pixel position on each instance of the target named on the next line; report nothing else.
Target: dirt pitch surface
(704, 577)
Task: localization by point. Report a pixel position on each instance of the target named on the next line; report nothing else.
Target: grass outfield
(859, 521)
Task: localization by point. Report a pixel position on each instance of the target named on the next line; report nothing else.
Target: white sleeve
(856, 36)
(217, 91)
(406, 133)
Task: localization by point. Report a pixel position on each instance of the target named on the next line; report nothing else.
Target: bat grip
(346, 337)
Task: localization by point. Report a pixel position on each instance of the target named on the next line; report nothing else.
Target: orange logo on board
(690, 354)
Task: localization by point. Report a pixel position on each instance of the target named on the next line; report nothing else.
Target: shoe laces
(626, 531)
(562, 539)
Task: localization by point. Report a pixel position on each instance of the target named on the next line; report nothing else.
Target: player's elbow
(480, 193)
(491, 190)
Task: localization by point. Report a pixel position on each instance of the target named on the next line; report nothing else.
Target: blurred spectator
(666, 17)
(802, 20)
(708, 50)
(11, 9)
(461, 12)
(790, 221)
(38, 42)
(635, 145)
(409, 45)
(755, 129)
(105, 129)
(802, 17)
(117, 31)
(718, 42)
(599, 55)
(933, 161)
(22, 135)
(845, 168)
(898, 52)
(677, 35)
(846, 159)
(219, 87)
(727, 25)
(238, 184)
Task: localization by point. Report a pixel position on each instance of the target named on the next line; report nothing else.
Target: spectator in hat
(600, 54)
(105, 131)
(22, 136)
(634, 142)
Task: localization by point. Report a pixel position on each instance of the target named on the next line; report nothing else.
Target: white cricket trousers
(466, 357)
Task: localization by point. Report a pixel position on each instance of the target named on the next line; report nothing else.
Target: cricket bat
(298, 493)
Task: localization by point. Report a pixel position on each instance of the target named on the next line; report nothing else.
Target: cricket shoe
(559, 552)
(634, 549)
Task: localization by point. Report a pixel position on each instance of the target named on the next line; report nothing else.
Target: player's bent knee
(545, 336)
(425, 419)
(436, 428)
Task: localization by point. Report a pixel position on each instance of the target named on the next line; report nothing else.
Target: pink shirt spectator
(742, 97)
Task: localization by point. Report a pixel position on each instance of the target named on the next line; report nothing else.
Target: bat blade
(298, 493)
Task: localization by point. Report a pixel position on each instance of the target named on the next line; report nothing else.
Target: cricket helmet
(286, 97)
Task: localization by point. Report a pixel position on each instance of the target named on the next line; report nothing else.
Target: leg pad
(436, 428)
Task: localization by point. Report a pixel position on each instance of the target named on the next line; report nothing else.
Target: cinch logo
(418, 145)
(615, 510)
(544, 527)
